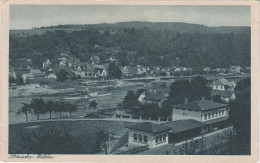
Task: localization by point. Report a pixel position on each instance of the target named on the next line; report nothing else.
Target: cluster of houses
(94, 69)
(224, 88)
(231, 69)
(190, 119)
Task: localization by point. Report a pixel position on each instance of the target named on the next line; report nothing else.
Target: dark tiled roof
(201, 105)
(183, 125)
(149, 127)
(20, 72)
(155, 95)
(151, 99)
(226, 94)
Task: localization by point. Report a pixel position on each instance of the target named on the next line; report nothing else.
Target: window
(205, 117)
(222, 112)
(219, 113)
(160, 139)
(140, 138)
(205, 127)
(209, 115)
(164, 137)
(145, 139)
(135, 137)
(216, 114)
(216, 86)
(212, 114)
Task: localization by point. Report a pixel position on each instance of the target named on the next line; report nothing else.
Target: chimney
(203, 98)
(186, 100)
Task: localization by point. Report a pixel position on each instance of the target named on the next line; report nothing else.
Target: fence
(105, 112)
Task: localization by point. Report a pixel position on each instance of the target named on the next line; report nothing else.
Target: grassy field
(85, 131)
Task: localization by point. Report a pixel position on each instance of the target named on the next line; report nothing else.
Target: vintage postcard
(129, 81)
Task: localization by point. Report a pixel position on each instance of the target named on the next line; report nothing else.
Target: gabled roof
(154, 95)
(225, 94)
(28, 75)
(183, 125)
(20, 72)
(131, 70)
(222, 81)
(149, 127)
(201, 105)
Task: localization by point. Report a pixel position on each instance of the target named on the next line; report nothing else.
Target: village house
(155, 135)
(12, 73)
(151, 134)
(129, 71)
(27, 77)
(141, 70)
(51, 76)
(235, 69)
(46, 64)
(225, 95)
(152, 96)
(222, 84)
(207, 69)
(36, 73)
(95, 60)
(89, 71)
(213, 114)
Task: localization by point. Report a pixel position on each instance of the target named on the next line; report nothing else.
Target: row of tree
(39, 106)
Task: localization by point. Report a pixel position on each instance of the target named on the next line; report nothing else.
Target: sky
(28, 16)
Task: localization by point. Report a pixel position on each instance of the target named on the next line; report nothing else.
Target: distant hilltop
(163, 26)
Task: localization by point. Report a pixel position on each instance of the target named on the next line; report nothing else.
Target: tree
(193, 90)
(50, 107)
(11, 80)
(199, 87)
(114, 71)
(139, 92)
(179, 90)
(217, 98)
(240, 114)
(25, 109)
(60, 107)
(101, 142)
(50, 140)
(131, 102)
(38, 106)
(71, 107)
(93, 104)
(62, 75)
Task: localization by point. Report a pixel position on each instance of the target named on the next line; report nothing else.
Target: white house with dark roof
(152, 96)
(209, 112)
(222, 84)
(151, 134)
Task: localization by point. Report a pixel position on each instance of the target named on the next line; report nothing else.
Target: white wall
(151, 139)
(179, 114)
(214, 111)
(218, 87)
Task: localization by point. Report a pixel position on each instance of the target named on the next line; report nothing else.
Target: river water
(118, 90)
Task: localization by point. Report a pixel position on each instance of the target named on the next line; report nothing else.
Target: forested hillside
(154, 44)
